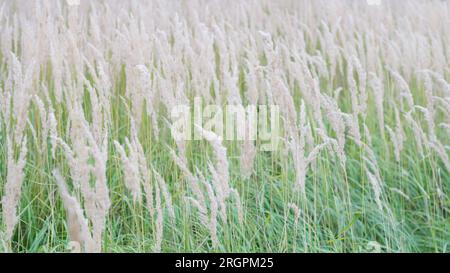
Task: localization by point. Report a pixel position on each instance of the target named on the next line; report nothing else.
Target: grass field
(89, 161)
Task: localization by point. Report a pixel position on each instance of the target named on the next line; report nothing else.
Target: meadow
(89, 161)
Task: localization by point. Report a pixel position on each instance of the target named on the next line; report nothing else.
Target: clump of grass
(88, 161)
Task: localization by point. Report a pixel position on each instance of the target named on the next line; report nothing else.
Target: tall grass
(88, 162)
